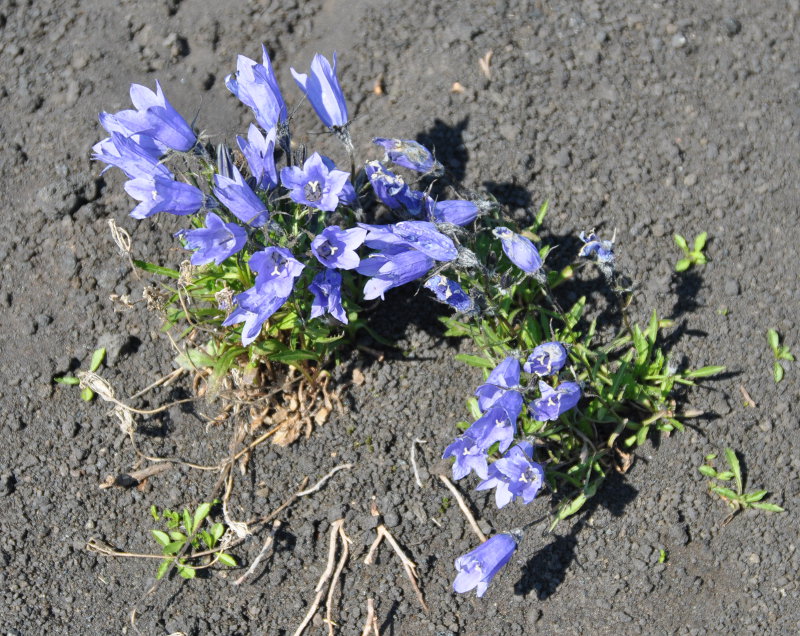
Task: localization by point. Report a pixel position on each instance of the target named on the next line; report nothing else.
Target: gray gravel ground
(651, 118)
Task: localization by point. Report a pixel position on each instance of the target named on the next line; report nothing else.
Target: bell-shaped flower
(336, 248)
(162, 194)
(514, 475)
(410, 154)
(259, 150)
(389, 187)
(456, 212)
(554, 402)
(322, 89)
(137, 156)
(479, 566)
(240, 199)
(424, 237)
(276, 268)
(519, 250)
(216, 241)
(154, 116)
(257, 87)
(451, 293)
(603, 251)
(504, 376)
(254, 308)
(468, 457)
(493, 426)
(548, 358)
(327, 290)
(391, 269)
(317, 184)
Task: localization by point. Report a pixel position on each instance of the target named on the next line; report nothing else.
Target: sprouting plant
(692, 256)
(86, 393)
(184, 527)
(738, 499)
(780, 352)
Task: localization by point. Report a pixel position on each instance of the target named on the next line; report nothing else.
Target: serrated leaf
(161, 537)
(97, 359)
(681, 242)
(227, 559)
(475, 361)
(700, 241)
(773, 339)
(777, 372)
(768, 506)
(200, 514)
(162, 568)
(708, 471)
(70, 380)
(733, 462)
(682, 265)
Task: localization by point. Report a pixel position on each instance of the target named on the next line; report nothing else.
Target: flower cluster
(502, 400)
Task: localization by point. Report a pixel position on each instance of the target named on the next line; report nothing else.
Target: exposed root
(464, 508)
(408, 565)
(264, 549)
(371, 624)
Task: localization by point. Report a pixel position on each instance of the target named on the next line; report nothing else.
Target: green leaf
(217, 530)
(154, 512)
(725, 475)
(681, 242)
(784, 354)
(294, 356)
(711, 456)
(725, 492)
(161, 537)
(67, 379)
(708, 471)
(475, 361)
(187, 522)
(704, 372)
(777, 372)
(682, 265)
(733, 461)
(97, 359)
(773, 339)
(177, 535)
(186, 572)
(752, 497)
(87, 394)
(700, 241)
(162, 568)
(768, 506)
(173, 548)
(572, 317)
(206, 538)
(474, 408)
(193, 359)
(227, 559)
(572, 507)
(157, 269)
(200, 514)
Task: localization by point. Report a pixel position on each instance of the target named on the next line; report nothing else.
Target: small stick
(414, 459)
(264, 549)
(322, 481)
(336, 575)
(461, 504)
(371, 624)
(325, 575)
(165, 380)
(748, 401)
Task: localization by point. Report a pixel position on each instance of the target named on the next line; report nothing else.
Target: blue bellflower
(317, 184)
(137, 156)
(493, 426)
(451, 293)
(327, 290)
(259, 150)
(254, 308)
(468, 456)
(389, 187)
(240, 199)
(392, 268)
(514, 475)
(336, 248)
(162, 194)
(257, 87)
(424, 237)
(154, 116)
(277, 269)
(503, 377)
(519, 250)
(410, 154)
(556, 401)
(216, 241)
(456, 212)
(323, 91)
(479, 566)
(603, 251)
(548, 358)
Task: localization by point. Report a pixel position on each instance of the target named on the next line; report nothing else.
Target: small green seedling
(780, 352)
(692, 256)
(738, 499)
(180, 528)
(86, 393)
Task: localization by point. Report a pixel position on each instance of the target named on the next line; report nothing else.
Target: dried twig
(414, 459)
(335, 526)
(748, 401)
(371, 624)
(462, 504)
(408, 565)
(322, 481)
(339, 567)
(264, 549)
